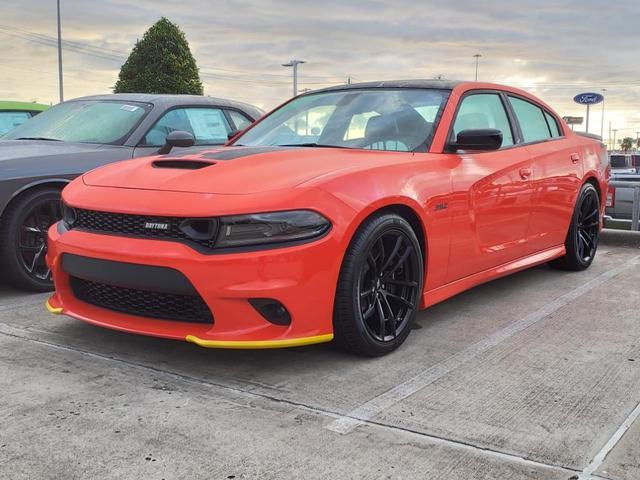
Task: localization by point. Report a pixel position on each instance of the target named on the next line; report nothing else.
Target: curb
(620, 238)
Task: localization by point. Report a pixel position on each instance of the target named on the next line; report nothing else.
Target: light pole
(615, 130)
(60, 55)
(294, 64)
(477, 57)
(602, 119)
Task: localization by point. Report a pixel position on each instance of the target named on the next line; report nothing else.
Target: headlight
(69, 215)
(267, 228)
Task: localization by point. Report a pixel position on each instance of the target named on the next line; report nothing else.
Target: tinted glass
(553, 125)
(84, 121)
(10, 120)
(531, 118)
(239, 120)
(375, 119)
(208, 126)
(483, 110)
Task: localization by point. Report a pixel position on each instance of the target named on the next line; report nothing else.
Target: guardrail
(635, 209)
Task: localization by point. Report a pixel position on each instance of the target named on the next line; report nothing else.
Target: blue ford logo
(588, 98)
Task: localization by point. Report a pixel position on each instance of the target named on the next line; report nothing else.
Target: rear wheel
(379, 288)
(23, 238)
(584, 232)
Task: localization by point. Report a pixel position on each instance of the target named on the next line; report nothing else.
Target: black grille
(143, 303)
(166, 228)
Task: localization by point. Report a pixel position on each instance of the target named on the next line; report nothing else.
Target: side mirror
(177, 138)
(482, 139)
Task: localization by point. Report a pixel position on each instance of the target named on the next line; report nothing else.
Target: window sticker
(129, 108)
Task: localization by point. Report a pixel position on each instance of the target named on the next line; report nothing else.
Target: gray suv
(38, 158)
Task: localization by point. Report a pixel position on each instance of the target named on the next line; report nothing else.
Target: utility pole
(60, 55)
(294, 64)
(602, 119)
(477, 57)
(637, 141)
(615, 130)
(609, 141)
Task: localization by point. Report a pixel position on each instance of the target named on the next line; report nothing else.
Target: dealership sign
(588, 98)
(573, 120)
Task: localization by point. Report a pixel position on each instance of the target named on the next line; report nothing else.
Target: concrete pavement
(527, 377)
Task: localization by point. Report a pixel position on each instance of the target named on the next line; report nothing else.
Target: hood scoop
(182, 164)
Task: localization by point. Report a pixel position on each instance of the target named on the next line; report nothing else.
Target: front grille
(142, 303)
(134, 225)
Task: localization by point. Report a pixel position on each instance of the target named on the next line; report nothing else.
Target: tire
(381, 277)
(23, 237)
(581, 243)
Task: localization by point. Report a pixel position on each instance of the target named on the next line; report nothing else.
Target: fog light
(272, 310)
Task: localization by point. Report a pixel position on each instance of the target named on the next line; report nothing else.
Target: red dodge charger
(335, 217)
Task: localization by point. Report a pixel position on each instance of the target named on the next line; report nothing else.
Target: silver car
(38, 158)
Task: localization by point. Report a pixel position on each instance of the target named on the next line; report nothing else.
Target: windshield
(84, 121)
(375, 119)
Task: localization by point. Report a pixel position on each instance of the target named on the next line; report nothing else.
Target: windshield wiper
(311, 144)
(39, 138)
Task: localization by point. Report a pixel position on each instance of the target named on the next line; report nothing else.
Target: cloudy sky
(555, 49)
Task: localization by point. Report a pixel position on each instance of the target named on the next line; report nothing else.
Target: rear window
(532, 120)
(553, 125)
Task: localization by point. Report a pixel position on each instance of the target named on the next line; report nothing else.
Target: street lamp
(477, 57)
(602, 119)
(294, 64)
(60, 54)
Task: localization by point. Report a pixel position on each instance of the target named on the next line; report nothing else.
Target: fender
(31, 185)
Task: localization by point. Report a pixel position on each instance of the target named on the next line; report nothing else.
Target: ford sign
(588, 98)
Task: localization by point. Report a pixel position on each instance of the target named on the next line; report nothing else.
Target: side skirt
(444, 292)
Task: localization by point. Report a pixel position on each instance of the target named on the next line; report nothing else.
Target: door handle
(575, 158)
(525, 173)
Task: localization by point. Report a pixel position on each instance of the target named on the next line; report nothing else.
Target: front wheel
(379, 288)
(584, 232)
(23, 238)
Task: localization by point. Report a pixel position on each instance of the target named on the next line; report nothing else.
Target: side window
(208, 126)
(484, 110)
(239, 120)
(10, 120)
(553, 125)
(358, 125)
(532, 121)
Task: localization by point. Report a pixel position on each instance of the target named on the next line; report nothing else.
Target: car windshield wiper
(39, 138)
(311, 144)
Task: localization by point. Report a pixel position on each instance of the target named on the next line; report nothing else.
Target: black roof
(418, 83)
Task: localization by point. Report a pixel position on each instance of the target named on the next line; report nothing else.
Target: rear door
(492, 192)
(557, 172)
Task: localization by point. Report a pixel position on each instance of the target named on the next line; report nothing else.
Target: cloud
(553, 48)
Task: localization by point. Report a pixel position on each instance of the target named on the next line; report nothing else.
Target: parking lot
(532, 376)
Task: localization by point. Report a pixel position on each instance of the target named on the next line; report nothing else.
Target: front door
(492, 193)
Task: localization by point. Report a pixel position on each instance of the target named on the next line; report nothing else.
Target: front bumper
(302, 278)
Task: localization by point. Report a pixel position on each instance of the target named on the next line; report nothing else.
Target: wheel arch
(36, 185)
(406, 208)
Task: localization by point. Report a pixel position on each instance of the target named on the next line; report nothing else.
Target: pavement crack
(246, 393)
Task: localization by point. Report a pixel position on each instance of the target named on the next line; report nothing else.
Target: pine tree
(160, 63)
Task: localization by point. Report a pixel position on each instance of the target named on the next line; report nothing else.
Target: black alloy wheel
(24, 235)
(582, 239)
(380, 287)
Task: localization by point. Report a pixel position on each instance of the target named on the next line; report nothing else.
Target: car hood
(238, 170)
(23, 158)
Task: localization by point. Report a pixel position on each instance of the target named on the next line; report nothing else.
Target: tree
(626, 144)
(160, 63)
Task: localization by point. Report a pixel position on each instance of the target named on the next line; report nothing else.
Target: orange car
(335, 217)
